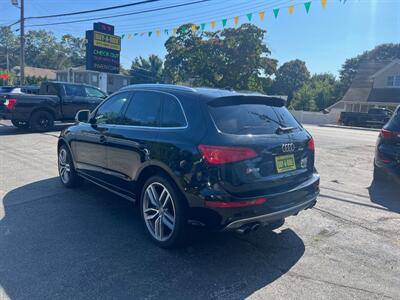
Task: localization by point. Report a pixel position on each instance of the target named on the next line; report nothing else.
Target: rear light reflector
(236, 204)
(388, 135)
(10, 103)
(216, 155)
(311, 145)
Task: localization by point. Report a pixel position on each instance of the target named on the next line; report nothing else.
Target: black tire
(66, 171)
(176, 237)
(20, 124)
(41, 121)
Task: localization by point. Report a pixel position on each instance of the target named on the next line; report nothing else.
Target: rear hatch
(277, 153)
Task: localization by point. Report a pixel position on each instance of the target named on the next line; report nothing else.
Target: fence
(317, 118)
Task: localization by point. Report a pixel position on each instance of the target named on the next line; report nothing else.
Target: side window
(74, 90)
(172, 114)
(144, 109)
(110, 112)
(95, 93)
(48, 89)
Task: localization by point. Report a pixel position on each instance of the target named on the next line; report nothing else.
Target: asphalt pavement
(87, 243)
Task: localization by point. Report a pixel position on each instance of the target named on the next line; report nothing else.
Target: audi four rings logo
(288, 147)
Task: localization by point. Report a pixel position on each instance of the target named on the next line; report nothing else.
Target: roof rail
(161, 85)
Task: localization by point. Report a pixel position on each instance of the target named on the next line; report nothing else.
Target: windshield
(252, 118)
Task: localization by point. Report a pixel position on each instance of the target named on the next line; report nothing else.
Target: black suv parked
(214, 158)
(387, 153)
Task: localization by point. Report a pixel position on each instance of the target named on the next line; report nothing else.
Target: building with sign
(102, 61)
(103, 49)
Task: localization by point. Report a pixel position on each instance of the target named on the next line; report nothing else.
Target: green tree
(9, 47)
(147, 70)
(75, 50)
(35, 80)
(290, 77)
(42, 49)
(304, 98)
(235, 58)
(320, 92)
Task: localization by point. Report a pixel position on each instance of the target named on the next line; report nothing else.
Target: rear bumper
(388, 161)
(272, 217)
(5, 115)
(277, 206)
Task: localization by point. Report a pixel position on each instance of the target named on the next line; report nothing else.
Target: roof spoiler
(277, 101)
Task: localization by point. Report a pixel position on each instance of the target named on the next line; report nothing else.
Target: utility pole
(22, 45)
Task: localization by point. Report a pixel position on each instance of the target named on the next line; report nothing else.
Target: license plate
(285, 163)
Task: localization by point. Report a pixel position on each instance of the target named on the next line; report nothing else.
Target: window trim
(133, 91)
(123, 109)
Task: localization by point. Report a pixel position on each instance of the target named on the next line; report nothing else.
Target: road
(88, 244)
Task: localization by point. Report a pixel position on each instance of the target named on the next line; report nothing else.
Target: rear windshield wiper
(281, 129)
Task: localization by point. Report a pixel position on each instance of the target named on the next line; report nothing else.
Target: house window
(397, 80)
(393, 81)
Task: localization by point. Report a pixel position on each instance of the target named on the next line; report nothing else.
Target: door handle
(103, 139)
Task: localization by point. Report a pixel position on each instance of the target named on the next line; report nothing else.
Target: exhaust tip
(245, 229)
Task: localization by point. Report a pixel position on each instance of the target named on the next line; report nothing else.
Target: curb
(350, 127)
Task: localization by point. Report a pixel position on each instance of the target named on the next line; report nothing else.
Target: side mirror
(325, 111)
(82, 116)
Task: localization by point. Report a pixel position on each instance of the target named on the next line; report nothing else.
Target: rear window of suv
(394, 123)
(250, 117)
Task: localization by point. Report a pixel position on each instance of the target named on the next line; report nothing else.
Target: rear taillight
(311, 145)
(388, 135)
(235, 204)
(10, 103)
(216, 155)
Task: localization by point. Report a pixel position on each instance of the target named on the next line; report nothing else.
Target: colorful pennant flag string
(249, 17)
(276, 12)
(307, 5)
(261, 14)
(224, 22)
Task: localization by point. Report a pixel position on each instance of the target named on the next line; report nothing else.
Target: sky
(324, 38)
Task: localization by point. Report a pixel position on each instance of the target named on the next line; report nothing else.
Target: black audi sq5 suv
(387, 153)
(219, 159)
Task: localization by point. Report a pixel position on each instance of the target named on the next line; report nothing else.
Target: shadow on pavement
(9, 129)
(88, 243)
(386, 194)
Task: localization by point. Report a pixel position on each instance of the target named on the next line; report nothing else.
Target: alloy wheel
(159, 211)
(64, 168)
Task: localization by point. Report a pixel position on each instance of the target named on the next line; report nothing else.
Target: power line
(121, 15)
(203, 17)
(92, 10)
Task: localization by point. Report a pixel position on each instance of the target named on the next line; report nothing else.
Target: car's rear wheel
(163, 213)
(66, 170)
(42, 121)
(20, 124)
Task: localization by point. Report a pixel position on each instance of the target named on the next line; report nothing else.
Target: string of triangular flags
(212, 24)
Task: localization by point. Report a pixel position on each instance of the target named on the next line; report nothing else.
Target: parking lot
(88, 244)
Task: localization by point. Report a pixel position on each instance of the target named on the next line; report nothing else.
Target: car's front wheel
(42, 121)
(66, 170)
(163, 213)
